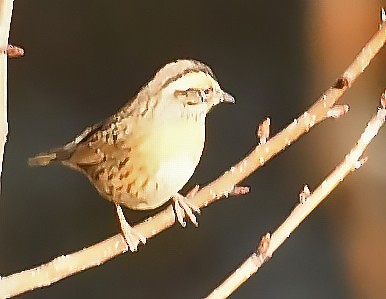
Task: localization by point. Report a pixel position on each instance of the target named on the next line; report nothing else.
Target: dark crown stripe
(195, 68)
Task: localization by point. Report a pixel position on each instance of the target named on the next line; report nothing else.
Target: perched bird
(145, 153)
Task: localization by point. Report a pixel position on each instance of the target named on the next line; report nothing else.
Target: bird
(141, 156)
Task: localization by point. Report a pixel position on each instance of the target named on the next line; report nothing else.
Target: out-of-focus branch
(6, 7)
(307, 203)
(99, 253)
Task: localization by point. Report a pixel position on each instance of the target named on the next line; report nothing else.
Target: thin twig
(99, 253)
(6, 7)
(308, 202)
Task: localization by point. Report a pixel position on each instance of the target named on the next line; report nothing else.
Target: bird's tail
(59, 154)
(64, 153)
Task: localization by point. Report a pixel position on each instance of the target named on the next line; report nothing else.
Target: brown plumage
(143, 155)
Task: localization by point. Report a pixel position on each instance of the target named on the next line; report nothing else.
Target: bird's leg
(183, 207)
(131, 235)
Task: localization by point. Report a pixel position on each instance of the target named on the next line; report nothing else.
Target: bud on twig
(264, 130)
(264, 244)
(383, 99)
(304, 194)
(14, 51)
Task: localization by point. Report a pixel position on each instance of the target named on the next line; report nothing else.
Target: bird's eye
(194, 96)
(208, 91)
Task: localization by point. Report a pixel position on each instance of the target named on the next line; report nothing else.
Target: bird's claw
(132, 237)
(184, 208)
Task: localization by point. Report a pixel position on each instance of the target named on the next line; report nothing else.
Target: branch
(6, 7)
(308, 202)
(99, 253)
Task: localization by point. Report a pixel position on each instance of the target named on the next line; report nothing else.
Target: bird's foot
(183, 207)
(131, 235)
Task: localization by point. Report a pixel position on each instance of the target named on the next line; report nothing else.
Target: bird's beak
(227, 98)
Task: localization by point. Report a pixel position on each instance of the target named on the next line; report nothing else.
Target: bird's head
(189, 84)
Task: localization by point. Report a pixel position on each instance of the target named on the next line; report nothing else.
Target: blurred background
(85, 59)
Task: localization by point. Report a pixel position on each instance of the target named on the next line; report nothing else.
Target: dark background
(85, 59)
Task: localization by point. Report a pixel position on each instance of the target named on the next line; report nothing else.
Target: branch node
(337, 111)
(14, 51)
(304, 194)
(263, 247)
(383, 99)
(263, 130)
(341, 83)
(239, 190)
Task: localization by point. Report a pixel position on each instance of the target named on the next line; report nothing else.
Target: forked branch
(99, 253)
(307, 203)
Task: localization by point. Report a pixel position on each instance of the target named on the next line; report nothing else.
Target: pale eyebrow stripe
(197, 69)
